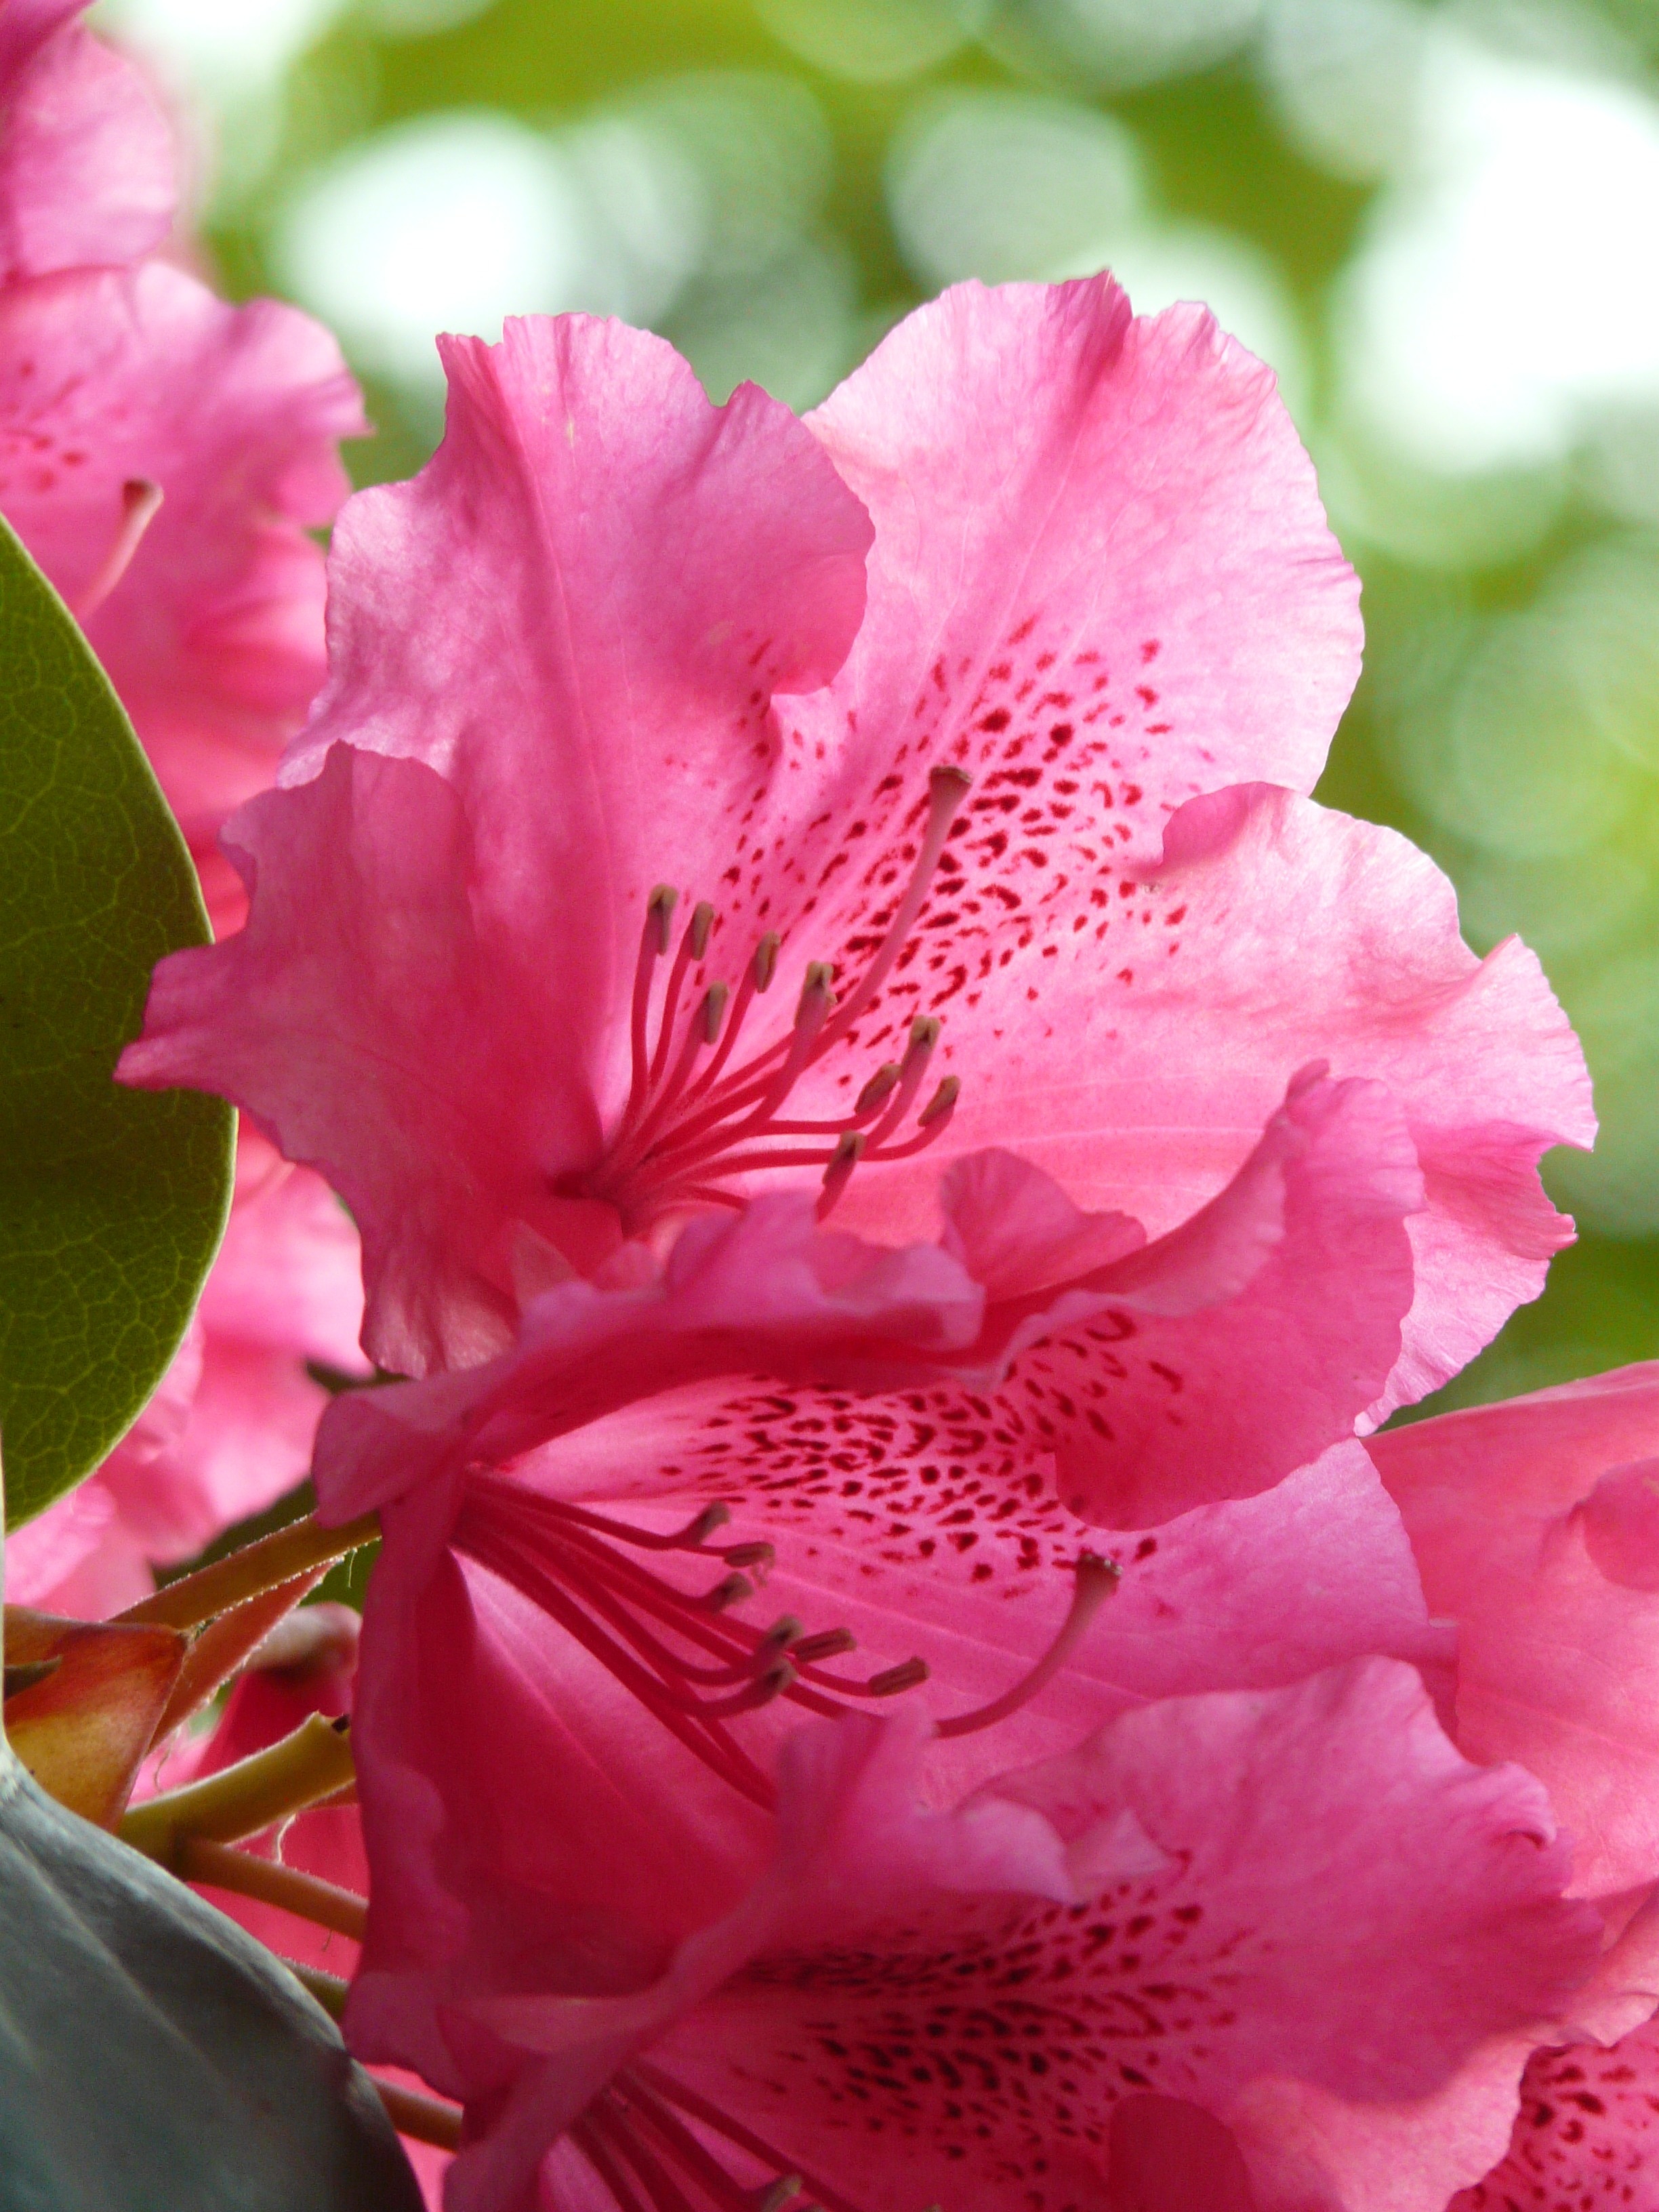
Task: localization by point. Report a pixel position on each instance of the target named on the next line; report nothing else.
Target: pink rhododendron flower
(86, 154)
(966, 2006)
(162, 454)
(230, 1428)
(207, 609)
(1535, 1524)
(1017, 781)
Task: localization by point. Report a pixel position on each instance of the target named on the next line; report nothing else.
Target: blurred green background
(1440, 224)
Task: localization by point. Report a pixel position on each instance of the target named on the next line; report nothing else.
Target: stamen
(570, 1563)
(140, 503)
(654, 943)
(838, 1173)
(692, 947)
(685, 1133)
(947, 786)
(697, 2108)
(924, 1036)
(828, 1643)
(1097, 1578)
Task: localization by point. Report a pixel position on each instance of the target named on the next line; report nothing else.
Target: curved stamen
(568, 1561)
(681, 1132)
(1097, 1578)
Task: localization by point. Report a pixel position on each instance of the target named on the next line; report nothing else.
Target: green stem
(305, 1767)
(244, 1874)
(255, 1569)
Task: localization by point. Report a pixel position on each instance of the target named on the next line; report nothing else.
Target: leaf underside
(153, 2057)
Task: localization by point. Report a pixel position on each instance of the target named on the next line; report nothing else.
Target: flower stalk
(264, 1566)
(311, 1764)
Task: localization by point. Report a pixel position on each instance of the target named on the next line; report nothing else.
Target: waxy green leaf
(111, 1201)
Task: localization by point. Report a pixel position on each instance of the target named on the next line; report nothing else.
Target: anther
(766, 960)
(659, 914)
(905, 1676)
(703, 920)
(699, 1530)
(838, 1173)
(942, 1102)
(784, 1635)
(876, 1088)
(761, 1556)
(731, 1591)
(713, 1011)
(828, 1644)
(786, 2187)
(817, 993)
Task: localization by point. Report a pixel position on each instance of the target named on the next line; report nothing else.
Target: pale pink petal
(1342, 1899)
(1148, 1414)
(1559, 1662)
(212, 632)
(765, 1290)
(1084, 518)
(1136, 1069)
(86, 154)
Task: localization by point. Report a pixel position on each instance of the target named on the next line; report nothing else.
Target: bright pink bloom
(1587, 2136)
(1139, 1380)
(207, 611)
(1101, 585)
(964, 2006)
(86, 154)
(1535, 1524)
(230, 1428)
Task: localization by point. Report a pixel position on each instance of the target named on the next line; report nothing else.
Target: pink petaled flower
(1010, 773)
(230, 1428)
(86, 154)
(162, 455)
(639, 1660)
(1001, 2004)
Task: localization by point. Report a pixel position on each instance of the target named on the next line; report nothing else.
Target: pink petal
(1587, 2134)
(86, 153)
(1342, 1900)
(212, 633)
(1558, 1659)
(1115, 515)
(765, 1290)
(1276, 932)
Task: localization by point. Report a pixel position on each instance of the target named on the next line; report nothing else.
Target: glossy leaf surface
(112, 1202)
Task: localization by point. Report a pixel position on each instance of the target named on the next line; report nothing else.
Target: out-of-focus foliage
(1440, 223)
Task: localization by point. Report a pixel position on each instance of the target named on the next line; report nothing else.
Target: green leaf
(111, 1201)
(154, 2058)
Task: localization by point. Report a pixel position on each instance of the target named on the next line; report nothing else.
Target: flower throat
(693, 1120)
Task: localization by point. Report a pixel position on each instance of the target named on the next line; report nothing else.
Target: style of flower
(231, 1426)
(1002, 819)
(972, 2007)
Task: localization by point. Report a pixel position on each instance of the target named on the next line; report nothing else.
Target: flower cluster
(164, 456)
(902, 1163)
